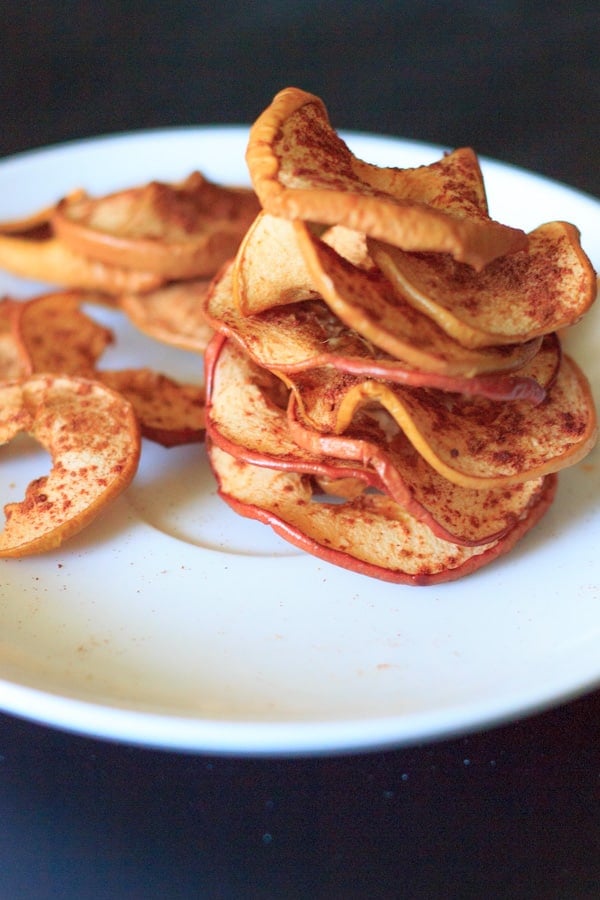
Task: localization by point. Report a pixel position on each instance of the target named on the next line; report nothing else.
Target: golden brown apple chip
(182, 230)
(92, 436)
(257, 282)
(170, 413)
(172, 314)
(301, 169)
(368, 303)
(247, 418)
(307, 334)
(48, 259)
(371, 535)
(472, 441)
(533, 292)
(56, 336)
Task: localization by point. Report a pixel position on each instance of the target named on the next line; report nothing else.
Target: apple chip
(367, 302)
(307, 334)
(170, 413)
(247, 418)
(371, 535)
(301, 169)
(472, 441)
(172, 314)
(56, 336)
(92, 436)
(532, 292)
(182, 230)
(257, 284)
(48, 259)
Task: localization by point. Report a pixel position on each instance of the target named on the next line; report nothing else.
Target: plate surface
(171, 622)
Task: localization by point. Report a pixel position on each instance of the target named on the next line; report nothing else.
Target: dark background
(513, 812)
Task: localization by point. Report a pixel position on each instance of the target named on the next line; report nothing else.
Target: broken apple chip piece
(371, 535)
(172, 314)
(532, 292)
(302, 170)
(247, 418)
(307, 334)
(49, 259)
(170, 413)
(181, 230)
(472, 441)
(92, 436)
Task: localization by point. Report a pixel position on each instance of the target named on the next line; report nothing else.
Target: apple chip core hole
(22, 460)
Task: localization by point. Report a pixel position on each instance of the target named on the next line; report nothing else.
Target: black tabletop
(513, 811)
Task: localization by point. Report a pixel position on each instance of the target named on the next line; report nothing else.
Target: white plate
(174, 623)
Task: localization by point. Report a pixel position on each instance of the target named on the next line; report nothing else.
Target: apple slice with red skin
(307, 334)
(247, 418)
(371, 535)
(472, 441)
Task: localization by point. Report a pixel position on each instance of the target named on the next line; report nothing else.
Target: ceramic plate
(173, 623)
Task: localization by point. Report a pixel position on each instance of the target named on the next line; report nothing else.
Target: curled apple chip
(48, 258)
(302, 169)
(92, 436)
(472, 441)
(181, 230)
(307, 334)
(247, 418)
(57, 336)
(532, 292)
(371, 535)
(368, 303)
(170, 413)
(172, 314)
(256, 283)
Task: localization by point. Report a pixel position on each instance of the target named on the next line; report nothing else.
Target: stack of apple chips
(386, 386)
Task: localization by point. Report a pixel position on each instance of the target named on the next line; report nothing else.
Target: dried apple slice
(472, 441)
(182, 230)
(301, 169)
(371, 535)
(172, 314)
(306, 334)
(247, 419)
(49, 259)
(92, 436)
(56, 336)
(368, 303)
(170, 413)
(533, 292)
(257, 284)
